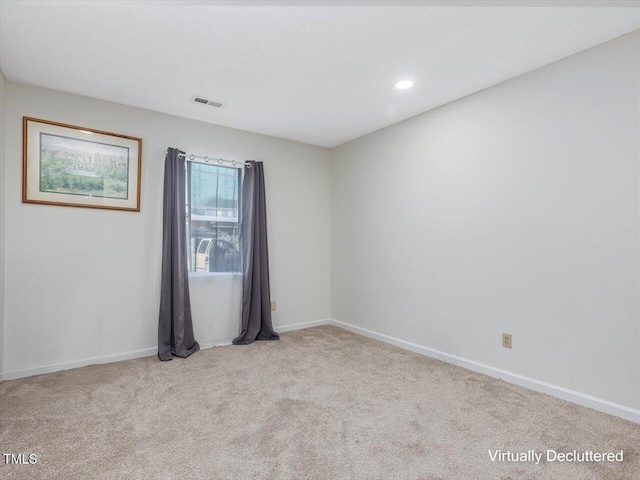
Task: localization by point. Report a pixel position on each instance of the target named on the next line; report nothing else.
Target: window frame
(202, 276)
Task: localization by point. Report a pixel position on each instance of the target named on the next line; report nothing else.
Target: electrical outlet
(273, 306)
(506, 340)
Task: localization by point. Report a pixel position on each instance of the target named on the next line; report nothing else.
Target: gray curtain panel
(256, 298)
(175, 328)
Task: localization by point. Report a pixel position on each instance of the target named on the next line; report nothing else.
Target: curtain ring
(206, 159)
(248, 165)
(192, 156)
(233, 162)
(219, 161)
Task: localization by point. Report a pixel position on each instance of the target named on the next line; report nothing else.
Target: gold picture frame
(73, 166)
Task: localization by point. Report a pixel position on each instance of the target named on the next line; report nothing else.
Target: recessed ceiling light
(404, 84)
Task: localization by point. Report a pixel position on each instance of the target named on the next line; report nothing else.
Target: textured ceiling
(318, 74)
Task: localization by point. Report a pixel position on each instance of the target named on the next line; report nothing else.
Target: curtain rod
(190, 157)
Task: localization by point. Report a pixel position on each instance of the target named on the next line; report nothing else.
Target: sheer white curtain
(216, 306)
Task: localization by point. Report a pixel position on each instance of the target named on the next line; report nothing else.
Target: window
(212, 218)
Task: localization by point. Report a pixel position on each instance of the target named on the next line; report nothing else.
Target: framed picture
(79, 167)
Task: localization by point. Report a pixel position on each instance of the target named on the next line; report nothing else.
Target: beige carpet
(321, 403)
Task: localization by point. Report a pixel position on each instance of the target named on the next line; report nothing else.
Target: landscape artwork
(80, 167)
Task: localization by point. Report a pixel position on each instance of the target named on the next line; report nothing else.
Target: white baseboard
(301, 326)
(278, 328)
(583, 399)
(144, 352)
(116, 357)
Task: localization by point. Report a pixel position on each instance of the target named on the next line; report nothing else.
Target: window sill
(205, 275)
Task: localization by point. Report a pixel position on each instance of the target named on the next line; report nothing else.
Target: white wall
(84, 283)
(2, 82)
(511, 210)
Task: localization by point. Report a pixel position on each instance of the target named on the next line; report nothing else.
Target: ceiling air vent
(204, 101)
